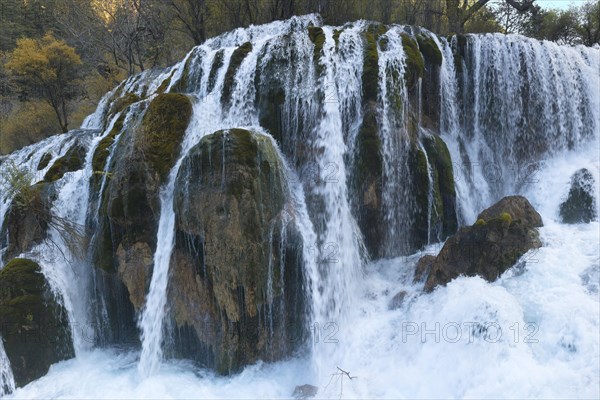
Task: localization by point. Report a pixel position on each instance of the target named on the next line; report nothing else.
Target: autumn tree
(46, 68)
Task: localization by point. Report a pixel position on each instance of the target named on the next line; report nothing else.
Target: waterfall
(7, 380)
(514, 112)
(393, 110)
(516, 102)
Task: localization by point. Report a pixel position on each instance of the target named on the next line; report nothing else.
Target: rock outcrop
(237, 288)
(33, 323)
(580, 205)
(502, 234)
(122, 248)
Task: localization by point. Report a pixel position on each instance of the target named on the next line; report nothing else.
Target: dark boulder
(125, 229)
(236, 289)
(27, 219)
(33, 323)
(502, 234)
(580, 205)
(305, 392)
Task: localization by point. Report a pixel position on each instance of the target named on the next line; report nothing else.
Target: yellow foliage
(44, 60)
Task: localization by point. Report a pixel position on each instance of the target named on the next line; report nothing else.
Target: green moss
(317, 36)
(420, 182)
(71, 161)
(44, 161)
(122, 103)
(103, 251)
(370, 76)
(429, 49)
(18, 269)
(181, 86)
(101, 153)
(505, 218)
(164, 125)
(214, 69)
(480, 222)
(165, 84)
(336, 36)
(369, 162)
(236, 60)
(444, 189)
(415, 66)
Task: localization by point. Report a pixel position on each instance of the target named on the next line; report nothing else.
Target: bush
(27, 123)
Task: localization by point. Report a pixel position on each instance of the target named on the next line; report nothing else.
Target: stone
(504, 232)
(580, 205)
(33, 322)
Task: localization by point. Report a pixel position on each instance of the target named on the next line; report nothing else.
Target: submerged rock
(580, 205)
(305, 391)
(502, 234)
(236, 288)
(33, 323)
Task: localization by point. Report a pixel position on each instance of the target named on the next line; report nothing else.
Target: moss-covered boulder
(236, 289)
(502, 235)
(368, 159)
(430, 98)
(72, 161)
(367, 177)
(125, 231)
(33, 323)
(444, 220)
(580, 204)
(414, 61)
(434, 200)
(27, 219)
(236, 60)
(44, 161)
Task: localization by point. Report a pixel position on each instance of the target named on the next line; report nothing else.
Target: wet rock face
(124, 240)
(33, 323)
(27, 219)
(236, 288)
(502, 234)
(580, 205)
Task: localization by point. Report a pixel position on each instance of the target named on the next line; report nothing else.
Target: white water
(547, 313)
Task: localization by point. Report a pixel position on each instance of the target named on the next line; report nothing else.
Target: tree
(589, 27)
(47, 67)
(460, 11)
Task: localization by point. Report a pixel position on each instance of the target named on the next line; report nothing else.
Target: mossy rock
(370, 76)
(367, 176)
(420, 188)
(165, 84)
(492, 245)
(44, 161)
(72, 161)
(236, 60)
(33, 324)
(214, 69)
(102, 150)
(336, 36)
(415, 65)
(317, 37)
(27, 219)
(431, 52)
(229, 204)
(580, 204)
(444, 188)
(122, 102)
(164, 125)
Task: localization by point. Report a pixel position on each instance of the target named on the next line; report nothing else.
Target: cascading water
(518, 116)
